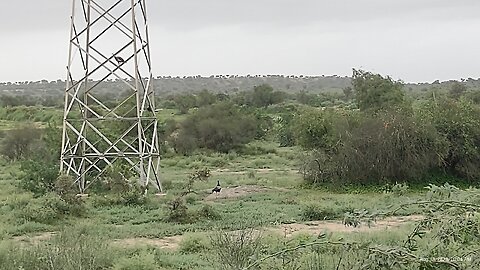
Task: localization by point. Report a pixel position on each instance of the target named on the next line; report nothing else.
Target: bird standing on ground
(119, 59)
(217, 188)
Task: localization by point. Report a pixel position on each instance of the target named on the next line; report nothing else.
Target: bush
(194, 244)
(458, 122)
(20, 143)
(141, 261)
(207, 211)
(38, 177)
(178, 211)
(50, 208)
(70, 250)
(46, 209)
(372, 149)
(374, 92)
(235, 250)
(220, 127)
(317, 212)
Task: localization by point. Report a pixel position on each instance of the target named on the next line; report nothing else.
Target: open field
(262, 192)
(307, 182)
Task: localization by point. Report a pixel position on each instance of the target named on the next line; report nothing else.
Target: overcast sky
(412, 40)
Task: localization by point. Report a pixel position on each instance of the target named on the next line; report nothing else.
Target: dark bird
(217, 189)
(119, 59)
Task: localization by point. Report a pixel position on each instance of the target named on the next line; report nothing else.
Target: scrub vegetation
(376, 175)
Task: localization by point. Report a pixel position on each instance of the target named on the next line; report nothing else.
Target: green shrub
(167, 184)
(38, 176)
(46, 209)
(220, 127)
(317, 212)
(70, 250)
(400, 189)
(133, 196)
(178, 211)
(191, 198)
(207, 211)
(141, 261)
(235, 250)
(20, 143)
(194, 244)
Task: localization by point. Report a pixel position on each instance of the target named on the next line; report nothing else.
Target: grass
(285, 200)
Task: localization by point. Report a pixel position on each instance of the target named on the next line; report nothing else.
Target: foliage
(457, 90)
(178, 211)
(220, 127)
(47, 209)
(374, 92)
(70, 250)
(263, 96)
(194, 244)
(209, 212)
(185, 102)
(59, 201)
(141, 261)
(20, 143)
(283, 126)
(318, 212)
(38, 176)
(235, 250)
(391, 147)
(450, 227)
(400, 189)
(318, 129)
(458, 122)
(365, 148)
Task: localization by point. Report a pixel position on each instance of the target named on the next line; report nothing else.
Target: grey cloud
(191, 15)
(28, 15)
(415, 40)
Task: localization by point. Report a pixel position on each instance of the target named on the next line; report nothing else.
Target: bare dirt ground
(260, 171)
(35, 239)
(317, 227)
(171, 243)
(235, 192)
(289, 230)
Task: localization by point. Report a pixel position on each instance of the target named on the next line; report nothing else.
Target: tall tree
(374, 92)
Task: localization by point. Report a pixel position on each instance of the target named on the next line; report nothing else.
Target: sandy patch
(235, 192)
(316, 227)
(259, 171)
(289, 230)
(171, 243)
(34, 239)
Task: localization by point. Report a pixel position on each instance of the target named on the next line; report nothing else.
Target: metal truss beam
(109, 41)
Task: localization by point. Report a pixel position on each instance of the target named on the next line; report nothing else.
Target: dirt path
(35, 239)
(289, 230)
(171, 243)
(260, 171)
(317, 227)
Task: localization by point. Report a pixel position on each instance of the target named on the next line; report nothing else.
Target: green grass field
(270, 198)
(265, 217)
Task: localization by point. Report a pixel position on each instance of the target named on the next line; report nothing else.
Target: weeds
(236, 250)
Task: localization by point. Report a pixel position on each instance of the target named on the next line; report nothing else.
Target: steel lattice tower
(109, 42)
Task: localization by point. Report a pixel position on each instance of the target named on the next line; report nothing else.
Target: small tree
(374, 92)
(458, 122)
(219, 127)
(20, 143)
(457, 90)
